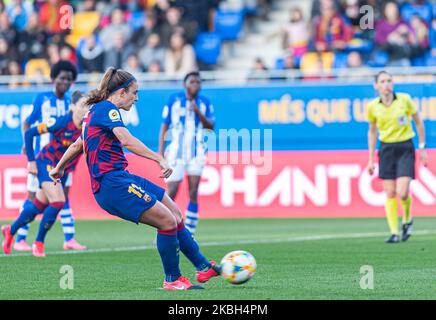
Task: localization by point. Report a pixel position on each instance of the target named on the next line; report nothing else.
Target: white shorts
(33, 183)
(193, 167)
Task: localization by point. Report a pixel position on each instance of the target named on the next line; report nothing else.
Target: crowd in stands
(178, 36)
(346, 34)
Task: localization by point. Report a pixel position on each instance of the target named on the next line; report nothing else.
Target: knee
(404, 195)
(168, 222)
(391, 194)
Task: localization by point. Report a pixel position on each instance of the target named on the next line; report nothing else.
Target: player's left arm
(421, 137)
(135, 146)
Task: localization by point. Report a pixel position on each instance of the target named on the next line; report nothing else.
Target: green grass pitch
(297, 259)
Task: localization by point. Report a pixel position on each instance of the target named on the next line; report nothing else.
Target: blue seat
(340, 61)
(379, 59)
(420, 61)
(228, 24)
(137, 19)
(280, 64)
(208, 47)
(424, 11)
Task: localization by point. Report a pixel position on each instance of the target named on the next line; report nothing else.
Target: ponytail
(113, 80)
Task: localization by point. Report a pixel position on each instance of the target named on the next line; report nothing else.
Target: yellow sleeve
(370, 114)
(411, 107)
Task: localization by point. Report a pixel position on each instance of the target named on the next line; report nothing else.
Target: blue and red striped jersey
(64, 133)
(103, 151)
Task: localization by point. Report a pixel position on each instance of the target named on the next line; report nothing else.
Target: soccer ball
(238, 267)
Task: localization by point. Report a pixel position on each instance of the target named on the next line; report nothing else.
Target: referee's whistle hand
(423, 157)
(370, 168)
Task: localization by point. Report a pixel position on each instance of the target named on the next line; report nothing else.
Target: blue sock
(49, 218)
(27, 214)
(191, 219)
(190, 248)
(67, 221)
(168, 247)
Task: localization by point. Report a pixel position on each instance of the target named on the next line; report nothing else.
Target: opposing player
(50, 197)
(187, 115)
(126, 195)
(47, 105)
(391, 114)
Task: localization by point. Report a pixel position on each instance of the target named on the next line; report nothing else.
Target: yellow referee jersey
(393, 122)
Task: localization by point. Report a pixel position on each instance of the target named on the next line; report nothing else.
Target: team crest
(114, 115)
(147, 197)
(402, 120)
(51, 122)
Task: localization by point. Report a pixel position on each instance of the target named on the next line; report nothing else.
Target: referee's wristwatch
(422, 145)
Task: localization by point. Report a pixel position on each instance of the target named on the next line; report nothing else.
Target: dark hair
(113, 79)
(76, 96)
(191, 74)
(63, 65)
(380, 73)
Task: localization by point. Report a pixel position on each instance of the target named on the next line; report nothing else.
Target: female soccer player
(50, 198)
(187, 115)
(126, 195)
(51, 104)
(390, 113)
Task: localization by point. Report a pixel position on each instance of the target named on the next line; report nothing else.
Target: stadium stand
(172, 36)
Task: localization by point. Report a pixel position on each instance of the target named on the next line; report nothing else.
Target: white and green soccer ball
(238, 267)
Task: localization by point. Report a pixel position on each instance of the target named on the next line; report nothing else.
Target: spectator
(258, 70)
(133, 65)
(421, 31)
(117, 25)
(159, 11)
(6, 56)
(91, 55)
(66, 52)
(289, 63)
(18, 13)
(50, 16)
(179, 57)
(6, 30)
(116, 55)
(53, 53)
(295, 34)
(197, 11)
(155, 67)
(31, 42)
(354, 60)
(394, 36)
(14, 71)
(351, 9)
(331, 31)
(140, 36)
(152, 51)
(173, 24)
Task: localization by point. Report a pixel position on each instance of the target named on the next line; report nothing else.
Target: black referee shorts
(396, 160)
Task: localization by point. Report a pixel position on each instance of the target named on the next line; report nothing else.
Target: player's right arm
(72, 152)
(166, 121)
(135, 146)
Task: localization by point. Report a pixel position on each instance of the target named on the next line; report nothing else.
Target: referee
(391, 115)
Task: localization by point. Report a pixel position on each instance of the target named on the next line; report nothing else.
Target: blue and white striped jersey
(45, 106)
(185, 127)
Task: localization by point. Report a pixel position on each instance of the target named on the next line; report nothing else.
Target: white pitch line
(234, 242)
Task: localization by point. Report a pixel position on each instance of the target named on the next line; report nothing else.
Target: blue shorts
(44, 169)
(126, 195)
